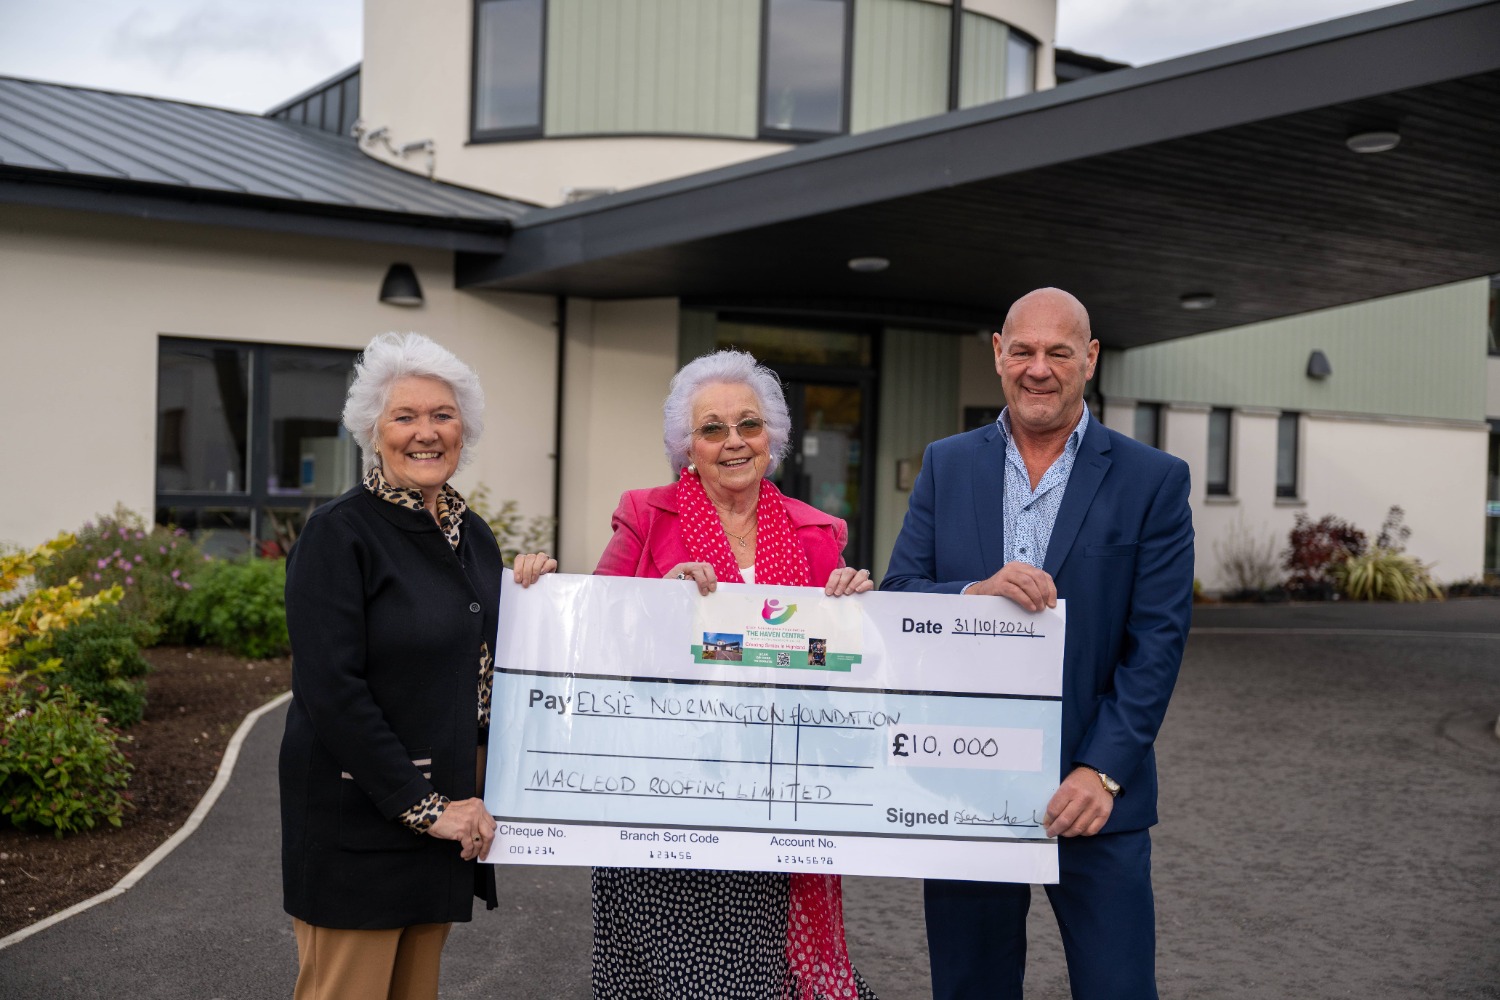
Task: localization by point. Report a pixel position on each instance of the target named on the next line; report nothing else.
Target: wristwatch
(1110, 784)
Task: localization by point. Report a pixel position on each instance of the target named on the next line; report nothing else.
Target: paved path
(1330, 828)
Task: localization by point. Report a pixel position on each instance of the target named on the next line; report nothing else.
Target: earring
(692, 468)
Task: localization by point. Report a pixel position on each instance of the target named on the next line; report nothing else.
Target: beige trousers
(399, 964)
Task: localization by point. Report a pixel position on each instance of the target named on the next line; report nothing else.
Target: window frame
(846, 71)
(256, 499)
(514, 133)
(1291, 491)
(1156, 410)
(1494, 317)
(1212, 486)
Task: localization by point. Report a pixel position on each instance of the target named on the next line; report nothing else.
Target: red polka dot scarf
(816, 952)
(779, 559)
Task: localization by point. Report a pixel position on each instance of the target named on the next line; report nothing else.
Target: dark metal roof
(99, 150)
(1069, 66)
(317, 88)
(1224, 172)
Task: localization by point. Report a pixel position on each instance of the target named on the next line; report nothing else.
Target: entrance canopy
(1225, 177)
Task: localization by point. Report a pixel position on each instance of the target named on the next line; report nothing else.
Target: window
(1020, 65)
(1286, 454)
(804, 68)
(248, 437)
(1495, 314)
(1218, 452)
(508, 41)
(1148, 424)
(1492, 504)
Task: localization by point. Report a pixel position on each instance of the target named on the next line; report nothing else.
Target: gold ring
(476, 838)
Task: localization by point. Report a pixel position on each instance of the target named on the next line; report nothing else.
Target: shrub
(102, 662)
(1383, 574)
(150, 565)
(1393, 531)
(240, 605)
(1249, 564)
(32, 617)
(515, 534)
(60, 762)
(1487, 585)
(1314, 552)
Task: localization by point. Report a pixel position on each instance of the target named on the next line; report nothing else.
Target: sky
(251, 56)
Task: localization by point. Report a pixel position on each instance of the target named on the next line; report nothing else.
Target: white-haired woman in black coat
(392, 600)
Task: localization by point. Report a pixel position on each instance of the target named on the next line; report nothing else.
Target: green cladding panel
(670, 67)
(918, 404)
(900, 62)
(982, 60)
(1419, 355)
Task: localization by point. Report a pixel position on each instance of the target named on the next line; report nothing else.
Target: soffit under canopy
(1224, 172)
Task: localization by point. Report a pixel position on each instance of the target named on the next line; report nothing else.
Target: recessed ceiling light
(868, 265)
(1374, 141)
(1197, 300)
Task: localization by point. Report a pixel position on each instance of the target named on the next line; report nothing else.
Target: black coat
(386, 621)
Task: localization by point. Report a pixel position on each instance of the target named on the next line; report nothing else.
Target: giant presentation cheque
(635, 723)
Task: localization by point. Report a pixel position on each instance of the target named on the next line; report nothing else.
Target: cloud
(1145, 31)
(277, 33)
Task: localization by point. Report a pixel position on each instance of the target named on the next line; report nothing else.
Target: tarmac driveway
(1330, 827)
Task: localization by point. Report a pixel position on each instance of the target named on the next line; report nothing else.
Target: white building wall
(1435, 473)
(621, 356)
(1250, 504)
(87, 297)
(1119, 415)
(415, 80)
(1355, 469)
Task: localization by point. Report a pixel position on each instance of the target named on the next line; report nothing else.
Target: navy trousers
(976, 931)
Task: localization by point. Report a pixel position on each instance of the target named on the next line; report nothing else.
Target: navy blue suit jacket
(1121, 554)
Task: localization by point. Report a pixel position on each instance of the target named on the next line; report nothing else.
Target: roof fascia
(1335, 62)
(260, 214)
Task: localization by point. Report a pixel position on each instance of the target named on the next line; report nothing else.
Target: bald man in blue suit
(1049, 503)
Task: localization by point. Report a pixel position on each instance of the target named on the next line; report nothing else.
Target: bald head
(1051, 307)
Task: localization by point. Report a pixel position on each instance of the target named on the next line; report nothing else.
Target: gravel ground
(1330, 809)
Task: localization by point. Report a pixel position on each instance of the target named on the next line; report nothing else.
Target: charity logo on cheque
(775, 613)
(762, 634)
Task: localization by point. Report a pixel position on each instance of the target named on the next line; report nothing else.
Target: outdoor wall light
(1318, 366)
(1378, 140)
(400, 287)
(868, 265)
(1197, 300)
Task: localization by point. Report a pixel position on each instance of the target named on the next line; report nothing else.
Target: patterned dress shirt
(1030, 513)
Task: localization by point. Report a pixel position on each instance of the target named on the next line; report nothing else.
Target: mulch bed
(196, 699)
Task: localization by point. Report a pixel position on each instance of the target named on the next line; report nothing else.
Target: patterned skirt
(669, 934)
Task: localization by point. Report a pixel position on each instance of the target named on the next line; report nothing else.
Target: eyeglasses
(716, 431)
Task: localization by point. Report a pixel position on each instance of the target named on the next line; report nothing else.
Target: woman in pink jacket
(671, 933)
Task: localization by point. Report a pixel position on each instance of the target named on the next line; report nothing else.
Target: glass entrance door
(828, 463)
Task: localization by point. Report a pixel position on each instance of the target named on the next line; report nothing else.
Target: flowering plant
(32, 615)
(150, 564)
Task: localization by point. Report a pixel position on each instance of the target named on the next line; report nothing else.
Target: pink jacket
(648, 538)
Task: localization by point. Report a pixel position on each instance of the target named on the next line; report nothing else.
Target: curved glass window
(804, 88)
(508, 67)
(1020, 65)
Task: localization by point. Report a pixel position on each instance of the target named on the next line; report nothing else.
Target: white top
(748, 572)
